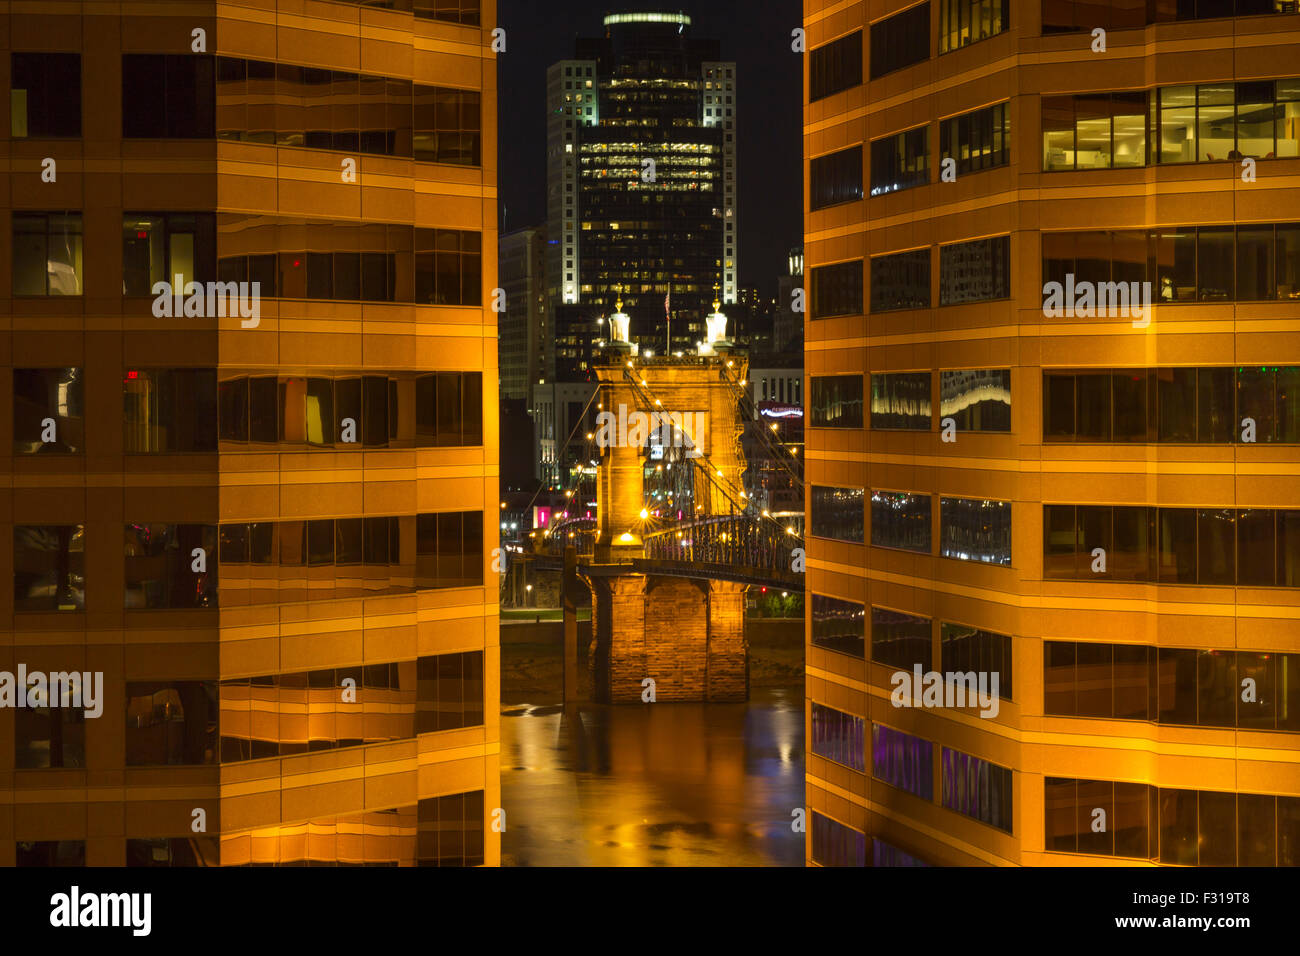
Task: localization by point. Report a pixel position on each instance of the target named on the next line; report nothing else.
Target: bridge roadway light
(644, 514)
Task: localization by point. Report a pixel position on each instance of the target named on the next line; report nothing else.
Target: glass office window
(900, 400)
(1095, 130)
(975, 271)
(170, 565)
(977, 400)
(50, 853)
(448, 267)
(837, 290)
(901, 281)
(839, 736)
(450, 694)
(838, 625)
(835, 401)
(448, 126)
(902, 761)
(900, 519)
(835, 66)
(464, 12)
(47, 253)
(451, 826)
(49, 736)
(963, 22)
(171, 722)
(173, 851)
(45, 95)
(49, 411)
(168, 96)
(49, 567)
(963, 649)
(900, 40)
(834, 844)
(176, 248)
(169, 410)
(884, 854)
(977, 788)
(972, 529)
(835, 178)
(977, 140)
(900, 161)
(900, 640)
(836, 513)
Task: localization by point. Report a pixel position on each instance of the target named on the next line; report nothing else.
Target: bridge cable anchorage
(711, 471)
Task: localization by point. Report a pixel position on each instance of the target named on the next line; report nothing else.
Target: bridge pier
(687, 635)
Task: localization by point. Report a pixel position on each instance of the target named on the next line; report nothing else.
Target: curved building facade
(251, 465)
(1053, 349)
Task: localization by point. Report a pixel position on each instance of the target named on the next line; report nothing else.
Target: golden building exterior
(1097, 504)
(269, 530)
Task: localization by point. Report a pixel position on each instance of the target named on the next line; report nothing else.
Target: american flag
(666, 300)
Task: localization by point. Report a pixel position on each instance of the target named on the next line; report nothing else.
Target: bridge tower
(659, 413)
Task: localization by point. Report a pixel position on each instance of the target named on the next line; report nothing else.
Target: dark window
(50, 853)
(962, 22)
(839, 736)
(836, 513)
(176, 248)
(171, 722)
(838, 625)
(900, 161)
(163, 569)
(975, 530)
(901, 281)
(47, 253)
(900, 520)
(964, 649)
(45, 95)
(834, 844)
(450, 692)
(835, 178)
(171, 410)
(448, 267)
(977, 400)
(836, 401)
(902, 761)
(173, 851)
(49, 567)
(451, 830)
(900, 40)
(975, 271)
(449, 549)
(835, 66)
(900, 640)
(448, 126)
(977, 140)
(464, 12)
(837, 290)
(52, 734)
(977, 788)
(900, 400)
(49, 410)
(168, 96)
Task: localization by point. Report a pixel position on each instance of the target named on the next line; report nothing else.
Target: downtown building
(641, 204)
(252, 513)
(1093, 501)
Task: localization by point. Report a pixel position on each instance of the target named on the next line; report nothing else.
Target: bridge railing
(579, 532)
(741, 540)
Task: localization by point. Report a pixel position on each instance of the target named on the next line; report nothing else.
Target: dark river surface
(662, 784)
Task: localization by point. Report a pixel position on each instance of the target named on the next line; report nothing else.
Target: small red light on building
(132, 374)
(142, 235)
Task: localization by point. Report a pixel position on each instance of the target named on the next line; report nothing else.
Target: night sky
(754, 33)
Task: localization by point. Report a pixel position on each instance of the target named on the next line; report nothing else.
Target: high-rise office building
(523, 326)
(641, 192)
(252, 457)
(1053, 428)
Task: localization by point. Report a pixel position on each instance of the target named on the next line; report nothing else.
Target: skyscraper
(1053, 425)
(641, 190)
(253, 454)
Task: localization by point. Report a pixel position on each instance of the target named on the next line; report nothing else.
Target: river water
(662, 784)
